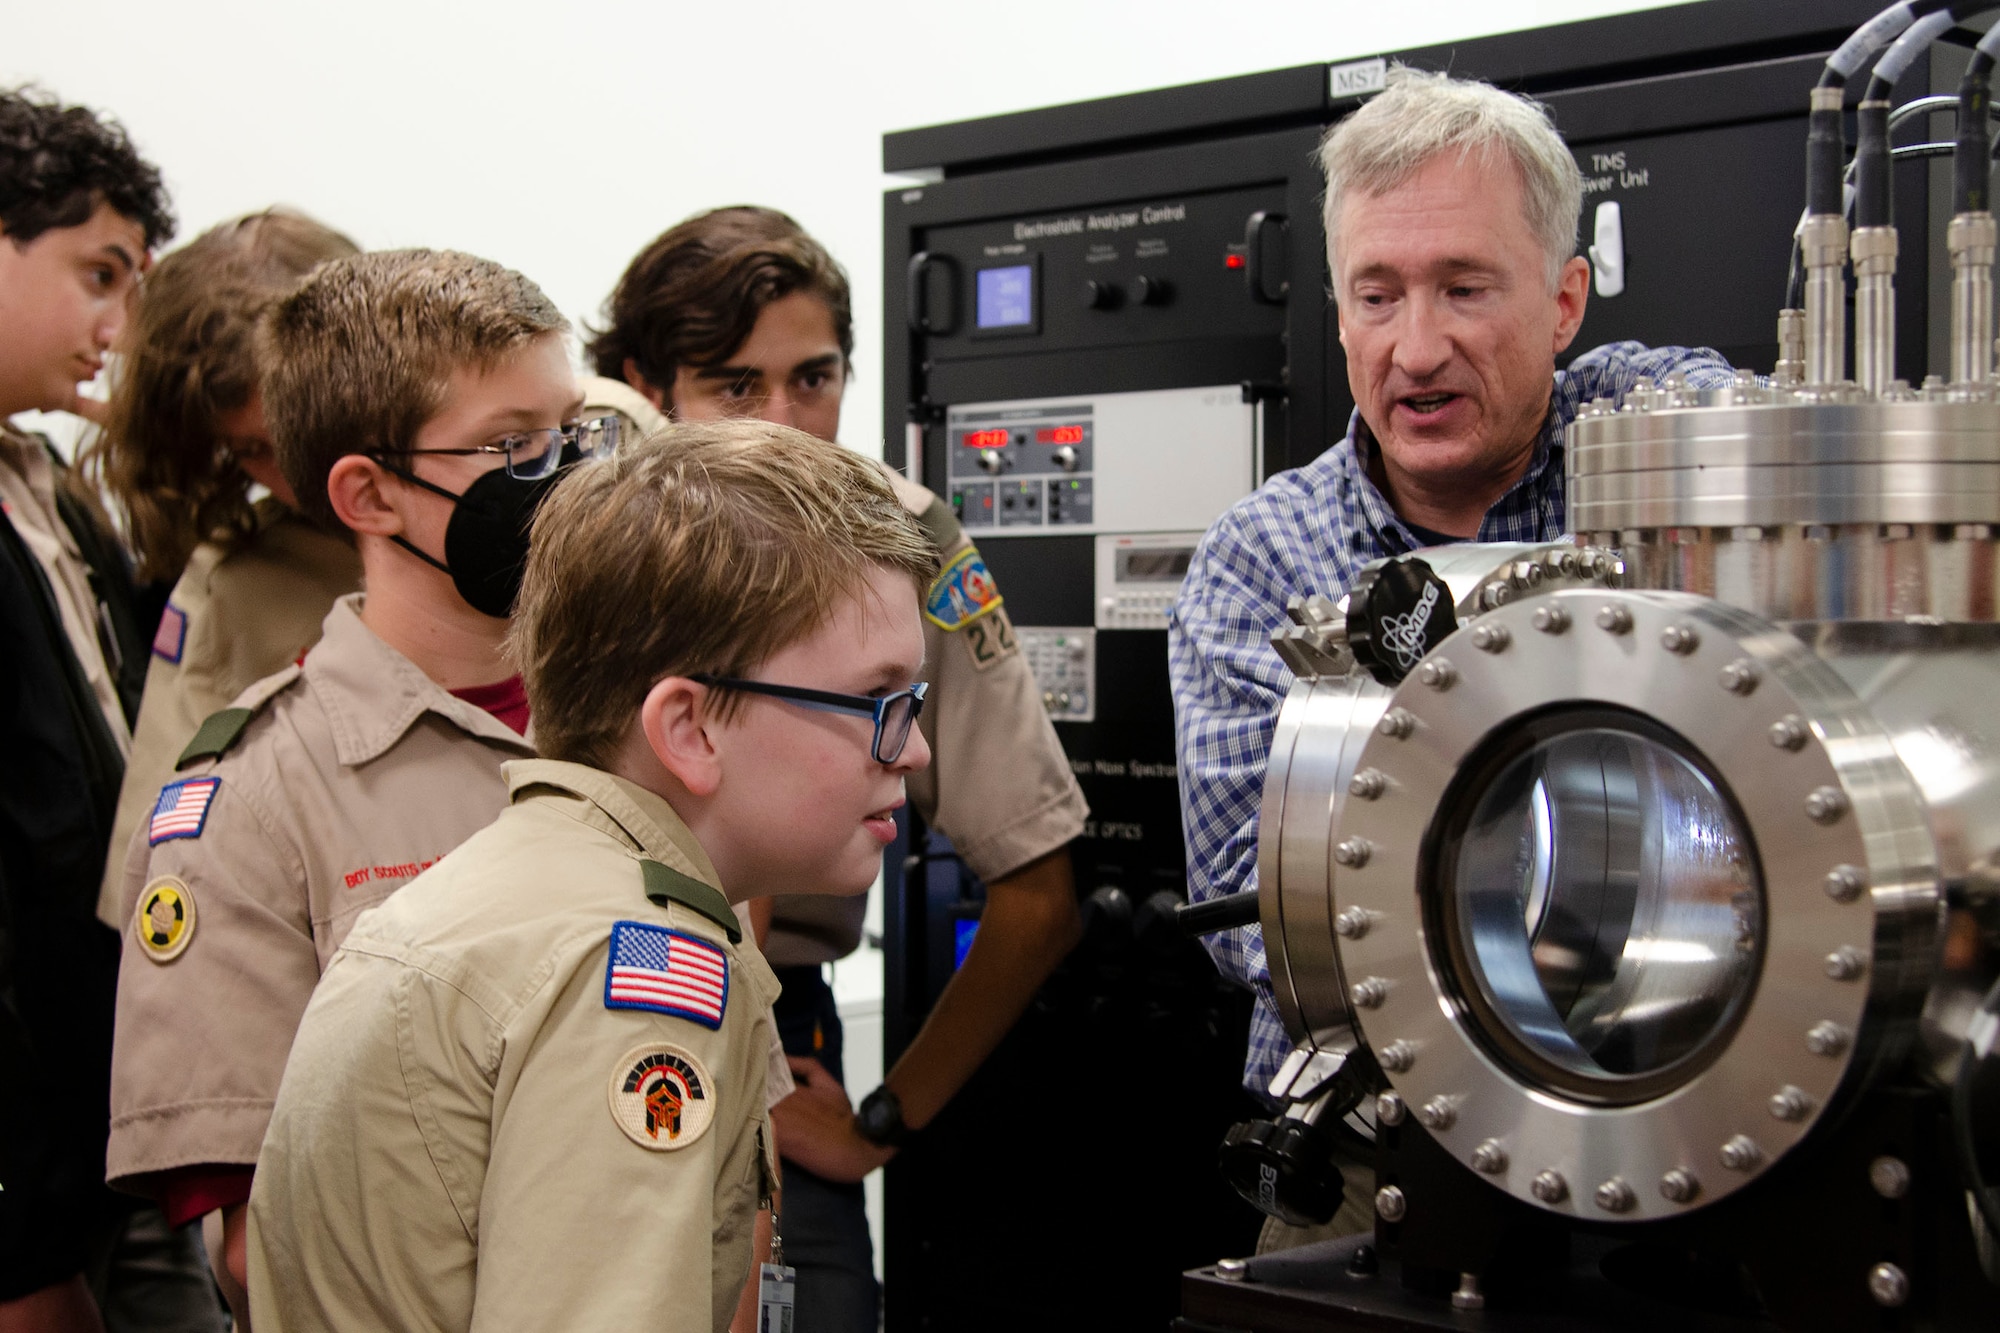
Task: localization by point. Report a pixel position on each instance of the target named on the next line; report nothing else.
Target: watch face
(880, 1119)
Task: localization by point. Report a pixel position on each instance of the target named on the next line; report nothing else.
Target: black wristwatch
(880, 1119)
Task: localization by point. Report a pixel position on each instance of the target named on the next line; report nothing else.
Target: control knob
(992, 460)
(1099, 295)
(1152, 291)
(1065, 457)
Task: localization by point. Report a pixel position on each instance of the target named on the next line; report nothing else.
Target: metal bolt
(1845, 883)
(1351, 924)
(1826, 805)
(1438, 673)
(1614, 619)
(1438, 1114)
(1494, 596)
(1889, 1176)
(1390, 1205)
(1551, 619)
(1352, 853)
(1846, 963)
(1790, 1103)
(1369, 992)
(1367, 784)
(1889, 1285)
(1681, 639)
(1397, 1056)
(1679, 1186)
(1389, 1108)
(1396, 724)
(1826, 1038)
(1489, 1158)
(1549, 1187)
(1525, 572)
(1615, 1196)
(1468, 1296)
(1232, 1270)
(1491, 638)
(1741, 1153)
(1741, 676)
(1789, 732)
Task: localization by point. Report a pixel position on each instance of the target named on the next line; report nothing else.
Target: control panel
(1139, 576)
(1064, 661)
(1170, 458)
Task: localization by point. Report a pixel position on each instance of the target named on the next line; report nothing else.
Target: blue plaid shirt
(1307, 531)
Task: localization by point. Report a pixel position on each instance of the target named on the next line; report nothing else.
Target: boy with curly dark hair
(80, 212)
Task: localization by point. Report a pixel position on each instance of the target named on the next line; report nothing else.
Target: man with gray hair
(1451, 213)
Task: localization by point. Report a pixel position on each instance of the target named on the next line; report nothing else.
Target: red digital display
(986, 439)
(1059, 435)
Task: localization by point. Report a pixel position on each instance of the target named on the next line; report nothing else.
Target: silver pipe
(1971, 239)
(1874, 251)
(1823, 240)
(1790, 372)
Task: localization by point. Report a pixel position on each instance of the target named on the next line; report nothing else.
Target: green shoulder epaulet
(216, 735)
(664, 885)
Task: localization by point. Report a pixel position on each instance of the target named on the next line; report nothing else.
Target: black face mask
(486, 541)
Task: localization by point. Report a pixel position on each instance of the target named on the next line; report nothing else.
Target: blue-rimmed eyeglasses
(894, 714)
(533, 454)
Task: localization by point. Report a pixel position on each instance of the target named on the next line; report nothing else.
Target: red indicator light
(986, 439)
(1059, 435)
(1234, 261)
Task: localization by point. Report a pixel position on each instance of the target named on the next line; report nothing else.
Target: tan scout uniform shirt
(999, 785)
(471, 1136)
(238, 614)
(28, 494)
(357, 772)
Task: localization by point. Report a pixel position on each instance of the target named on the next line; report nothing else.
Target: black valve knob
(1152, 291)
(1284, 1169)
(1100, 295)
(1396, 613)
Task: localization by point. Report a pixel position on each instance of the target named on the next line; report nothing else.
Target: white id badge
(775, 1293)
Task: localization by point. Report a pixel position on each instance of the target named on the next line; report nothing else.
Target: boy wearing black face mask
(423, 401)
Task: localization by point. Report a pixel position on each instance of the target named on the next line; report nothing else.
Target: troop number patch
(661, 1096)
(164, 922)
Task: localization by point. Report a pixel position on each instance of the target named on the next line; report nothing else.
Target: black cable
(1971, 164)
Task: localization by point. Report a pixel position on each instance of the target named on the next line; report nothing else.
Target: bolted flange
(1826, 1038)
(1845, 883)
(1741, 1153)
(1614, 1196)
(1679, 1186)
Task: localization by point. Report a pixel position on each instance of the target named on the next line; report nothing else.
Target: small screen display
(1154, 566)
(962, 932)
(986, 439)
(1007, 297)
(1059, 435)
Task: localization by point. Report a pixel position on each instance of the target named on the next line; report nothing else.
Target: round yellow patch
(164, 923)
(661, 1096)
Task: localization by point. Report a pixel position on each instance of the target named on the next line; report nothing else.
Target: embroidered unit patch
(661, 1097)
(164, 923)
(667, 972)
(182, 809)
(170, 639)
(962, 593)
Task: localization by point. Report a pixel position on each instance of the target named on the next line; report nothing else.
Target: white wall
(559, 138)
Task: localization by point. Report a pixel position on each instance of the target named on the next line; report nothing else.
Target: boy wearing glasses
(423, 401)
(529, 1091)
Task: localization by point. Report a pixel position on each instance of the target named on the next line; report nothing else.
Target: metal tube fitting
(1790, 372)
(1874, 251)
(1823, 241)
(1971, 239)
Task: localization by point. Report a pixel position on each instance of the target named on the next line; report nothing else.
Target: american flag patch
(170, 639)
(667, 972)
(182, 809)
